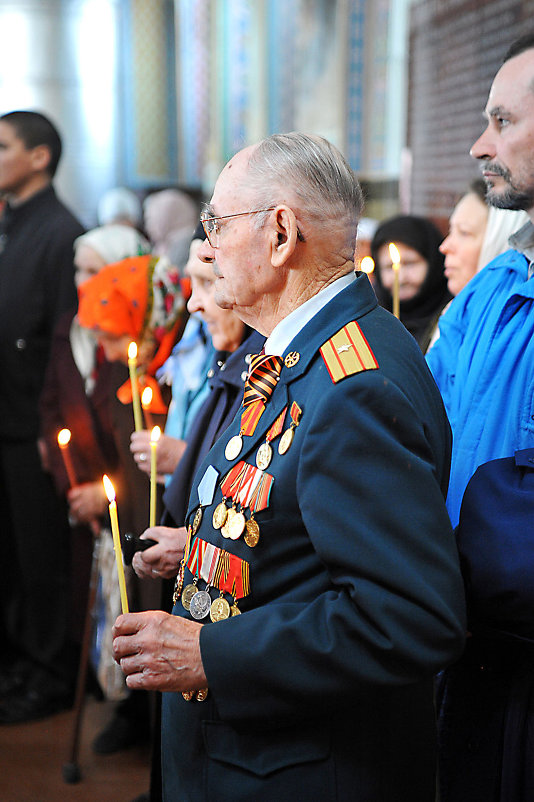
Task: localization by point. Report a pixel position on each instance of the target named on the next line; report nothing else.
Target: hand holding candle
(146, 400)
(154, 437)
(110, 492)
(132, 365)
(394, 255)
(63, 440)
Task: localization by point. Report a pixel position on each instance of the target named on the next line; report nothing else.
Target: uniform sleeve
(394, 610)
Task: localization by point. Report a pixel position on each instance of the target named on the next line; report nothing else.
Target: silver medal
(200, 604)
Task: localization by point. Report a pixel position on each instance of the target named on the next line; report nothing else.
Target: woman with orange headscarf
(138, 299)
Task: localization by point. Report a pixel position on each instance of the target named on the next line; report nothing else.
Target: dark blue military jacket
(322, 687)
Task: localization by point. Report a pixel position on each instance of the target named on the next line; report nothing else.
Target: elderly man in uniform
(319, 590)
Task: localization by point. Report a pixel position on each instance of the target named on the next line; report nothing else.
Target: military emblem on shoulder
(348, 352)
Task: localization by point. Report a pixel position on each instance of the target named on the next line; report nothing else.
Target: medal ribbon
(277, 426)
(195, 558)
(209, 563)
(223, 570)
(246, 488)
(235, 576)
(262, 378)
(295, 413)
(250, 417)
(259, 499)
(232, 480)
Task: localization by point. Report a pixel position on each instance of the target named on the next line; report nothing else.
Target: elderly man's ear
(283, 236)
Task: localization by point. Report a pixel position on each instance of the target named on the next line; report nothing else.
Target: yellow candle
(394, 255)
(146, 400)
(110, 492)
(63, 440)
(132, 364)
(154, 437)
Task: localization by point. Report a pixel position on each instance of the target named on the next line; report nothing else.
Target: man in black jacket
(36, 285)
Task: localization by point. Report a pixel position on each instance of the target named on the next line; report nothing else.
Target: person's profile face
(507, 144)
(87, 263)
(225, 328)
(238, 261)
(16, 161)
(462, 245)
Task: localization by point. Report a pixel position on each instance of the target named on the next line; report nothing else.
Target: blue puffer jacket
(483, 364)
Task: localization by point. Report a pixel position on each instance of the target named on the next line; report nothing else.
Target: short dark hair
(525, 42)
(35, 129)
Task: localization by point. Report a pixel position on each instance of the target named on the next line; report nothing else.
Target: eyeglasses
(212, 228)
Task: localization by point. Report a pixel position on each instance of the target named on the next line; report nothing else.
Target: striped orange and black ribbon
(262, 379)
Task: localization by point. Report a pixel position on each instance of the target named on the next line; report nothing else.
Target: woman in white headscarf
(477, 234)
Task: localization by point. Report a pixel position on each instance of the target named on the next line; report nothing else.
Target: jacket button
(20, 344)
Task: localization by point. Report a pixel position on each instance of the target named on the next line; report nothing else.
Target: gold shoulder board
(348, 352)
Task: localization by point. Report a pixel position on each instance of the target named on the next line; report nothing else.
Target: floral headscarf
(140, 297)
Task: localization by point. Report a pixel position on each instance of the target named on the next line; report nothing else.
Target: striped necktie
(262, 379)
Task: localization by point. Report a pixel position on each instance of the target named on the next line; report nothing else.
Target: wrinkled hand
(168, 452)
(87, 502)
(163, 559)
(160, 652)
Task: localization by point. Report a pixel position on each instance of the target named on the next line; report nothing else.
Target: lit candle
(63, 440)
(394, 255)
(110, 493)
(132, 364)
(367, 264)
(154, 437)
(146, 400)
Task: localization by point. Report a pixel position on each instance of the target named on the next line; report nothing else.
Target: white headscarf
(502, 223)
(114, 242)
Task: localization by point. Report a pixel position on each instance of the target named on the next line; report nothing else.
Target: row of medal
(249, 421)
(219, 569)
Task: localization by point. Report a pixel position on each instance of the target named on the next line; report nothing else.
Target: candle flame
(146, 397)
(155, 434)
(132, 350)
(63, 438)
(394, 254)
(108, 487)
(367, 264)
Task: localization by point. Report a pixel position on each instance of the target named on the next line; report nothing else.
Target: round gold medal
(236, 526)
(188, 695)
(220, 609)
(252, 533)
(219, 515)
(285, 441)
(187, 594)
(225, 528)
(197, 520)
(234, 610)
(264, 456)
(233, 447)
(202, 695)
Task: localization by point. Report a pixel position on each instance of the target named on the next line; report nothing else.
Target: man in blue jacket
(319, 545)
(483, 361)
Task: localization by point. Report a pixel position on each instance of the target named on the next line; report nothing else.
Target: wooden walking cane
(71, 769)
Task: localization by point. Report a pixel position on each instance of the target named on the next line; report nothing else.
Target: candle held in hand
(63, 440)
(132, 365)
(146, 401)
(154, 437)
(110, 493)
